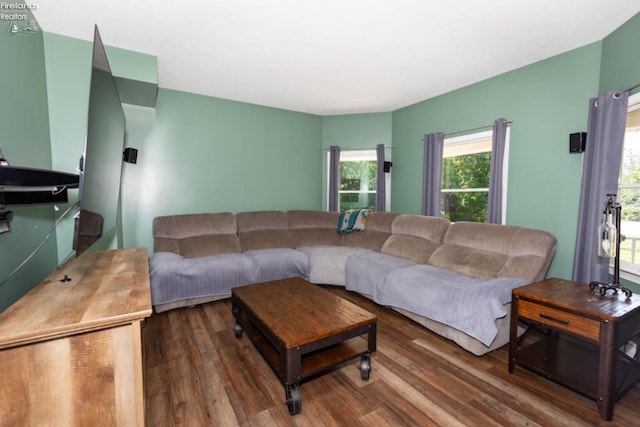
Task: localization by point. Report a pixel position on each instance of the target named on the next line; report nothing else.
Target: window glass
(358, 179)
(629, 191)
(466, 167)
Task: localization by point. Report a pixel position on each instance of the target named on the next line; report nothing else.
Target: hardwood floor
(198, 374)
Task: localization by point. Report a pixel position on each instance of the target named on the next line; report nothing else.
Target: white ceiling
(336, 56)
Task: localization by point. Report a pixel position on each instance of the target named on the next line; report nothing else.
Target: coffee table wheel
(237, 330)
(294, 400)
(365, 366)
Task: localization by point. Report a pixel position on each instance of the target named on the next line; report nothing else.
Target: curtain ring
(617, 95)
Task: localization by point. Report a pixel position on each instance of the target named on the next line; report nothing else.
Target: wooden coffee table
(303, 330)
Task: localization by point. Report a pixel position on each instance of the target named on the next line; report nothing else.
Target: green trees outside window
(465, 182)
(357, 184)
(465, 187)
(629, 191)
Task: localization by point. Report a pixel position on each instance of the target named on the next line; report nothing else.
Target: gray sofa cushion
(263, 230)
(491, 250)
(377, 231)
(365, 272)
(313, 228)
(207, 245)
(415, 237)
(174, 277)
(196, 235)
(278, 263)
(327, 263)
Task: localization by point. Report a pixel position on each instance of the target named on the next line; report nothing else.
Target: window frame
(359, 154)
(471, 139)
(628, 271)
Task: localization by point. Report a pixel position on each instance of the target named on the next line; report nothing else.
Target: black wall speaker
(577, 142)
(130, 155)
(387, 166)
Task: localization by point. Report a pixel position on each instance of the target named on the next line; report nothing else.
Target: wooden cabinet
(584, 334)
(71, 349)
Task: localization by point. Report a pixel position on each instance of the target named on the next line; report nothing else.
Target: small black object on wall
(130, 155)
(577, 142)
(387, 166)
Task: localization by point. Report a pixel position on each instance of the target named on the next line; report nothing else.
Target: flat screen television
(101, 162)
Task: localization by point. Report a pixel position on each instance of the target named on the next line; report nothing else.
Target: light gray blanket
(464, 303)
(174, 278)
(366, 271)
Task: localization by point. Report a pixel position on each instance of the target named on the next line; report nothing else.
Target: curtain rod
(470, 130)
(629, 89)
(356, 148)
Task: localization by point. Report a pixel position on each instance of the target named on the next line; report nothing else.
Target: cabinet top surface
(579, 298)
(106, 288)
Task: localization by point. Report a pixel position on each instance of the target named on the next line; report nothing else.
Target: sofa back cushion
(531, 254)
(262, 230)
(313, 228)
(377, 231)
(492, 250)
(415, 237)
(196, 235)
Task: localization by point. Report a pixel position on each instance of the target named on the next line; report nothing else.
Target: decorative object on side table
(609, 238)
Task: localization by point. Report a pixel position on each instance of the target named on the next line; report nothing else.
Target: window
(357, 179)
(466, 166)
(629, 191)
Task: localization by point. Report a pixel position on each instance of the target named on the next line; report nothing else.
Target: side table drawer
(560, 319)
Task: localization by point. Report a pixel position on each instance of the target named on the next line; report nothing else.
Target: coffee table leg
(294, 399)
(237, 330)
(371, 337)
(365, 366)
(235, 310)
(365, 359)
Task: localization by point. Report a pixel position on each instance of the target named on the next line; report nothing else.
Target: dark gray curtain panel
(494, 208)
(432, 173)
(600, 171)
(381, 184)
(334, 178)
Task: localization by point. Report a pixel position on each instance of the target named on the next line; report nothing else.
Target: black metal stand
(616, 209)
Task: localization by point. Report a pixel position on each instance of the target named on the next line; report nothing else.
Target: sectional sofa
(453, 278)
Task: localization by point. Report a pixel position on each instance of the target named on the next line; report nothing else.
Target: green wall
(355, 131)
(547, 101)
(24, 140)
(204, 154)
(620, 67)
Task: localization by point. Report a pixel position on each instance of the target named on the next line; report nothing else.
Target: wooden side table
(584, 334)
